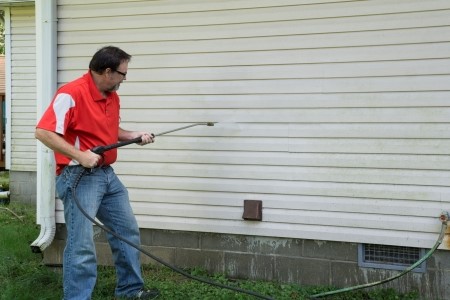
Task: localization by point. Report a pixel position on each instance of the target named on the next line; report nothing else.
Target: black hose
(138, 247)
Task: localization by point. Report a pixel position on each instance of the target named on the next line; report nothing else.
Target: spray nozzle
(444, 217)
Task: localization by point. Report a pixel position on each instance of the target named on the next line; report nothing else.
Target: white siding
(23, 88)
(334, 113)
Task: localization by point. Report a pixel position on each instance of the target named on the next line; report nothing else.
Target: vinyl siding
(333, 113)
(23, 88)
(2, 75)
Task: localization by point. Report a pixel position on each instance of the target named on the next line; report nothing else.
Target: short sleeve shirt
(84, 118)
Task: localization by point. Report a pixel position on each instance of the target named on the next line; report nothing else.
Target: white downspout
(46, 65)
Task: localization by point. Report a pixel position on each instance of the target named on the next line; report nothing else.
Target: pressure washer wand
(102, 149)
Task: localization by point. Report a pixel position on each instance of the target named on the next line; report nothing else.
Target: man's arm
(57, 143)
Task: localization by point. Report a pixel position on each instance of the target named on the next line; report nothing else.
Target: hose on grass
(443, 218)
(13, 213)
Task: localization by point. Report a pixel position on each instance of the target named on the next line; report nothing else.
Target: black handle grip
(98, 150)
(102, 149)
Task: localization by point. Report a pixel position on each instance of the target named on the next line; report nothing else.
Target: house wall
(333, 113)
(23, 103)
(23, 87)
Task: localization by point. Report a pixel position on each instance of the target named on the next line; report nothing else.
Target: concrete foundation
(22, 186)
(303, 262)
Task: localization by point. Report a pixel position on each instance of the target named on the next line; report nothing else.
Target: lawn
(23, 277)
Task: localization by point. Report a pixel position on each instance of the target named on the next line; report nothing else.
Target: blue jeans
(102, 195)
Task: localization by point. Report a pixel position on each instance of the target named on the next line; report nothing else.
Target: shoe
(147, 295)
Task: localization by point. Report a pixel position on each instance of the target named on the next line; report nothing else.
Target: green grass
(21, 274)
(23, 277)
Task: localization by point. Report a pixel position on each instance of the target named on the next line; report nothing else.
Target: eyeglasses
(121, 73)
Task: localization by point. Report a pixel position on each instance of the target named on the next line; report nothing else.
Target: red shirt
(84, 118)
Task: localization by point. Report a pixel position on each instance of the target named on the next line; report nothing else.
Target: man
(83, 114)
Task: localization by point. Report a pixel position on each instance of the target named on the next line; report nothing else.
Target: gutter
(46, 82)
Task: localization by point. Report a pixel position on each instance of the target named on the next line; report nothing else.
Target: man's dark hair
(108, 57)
